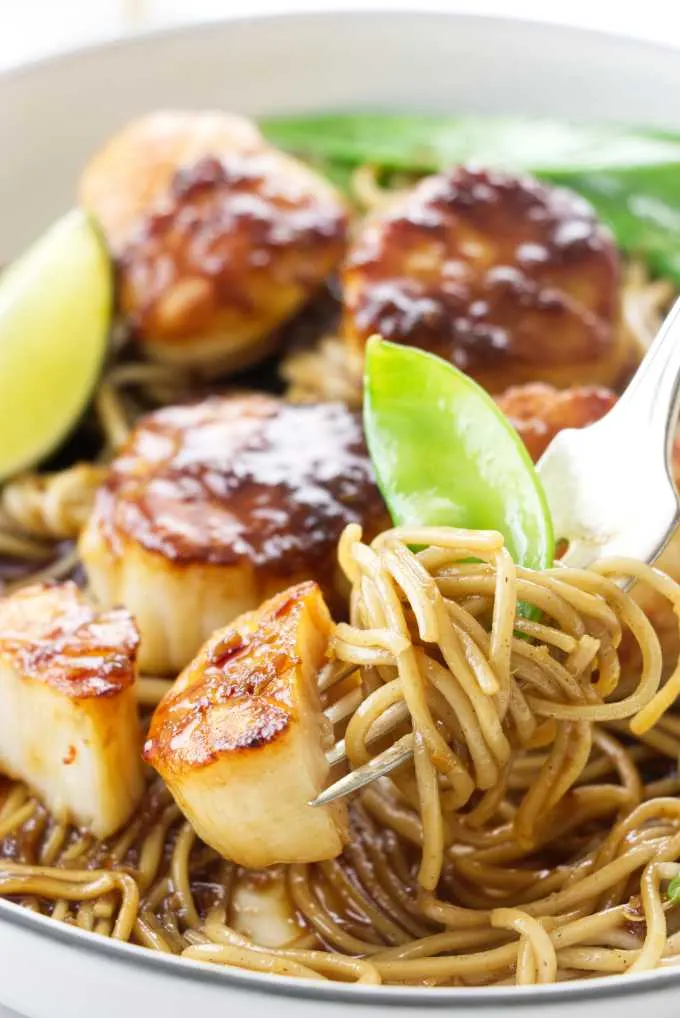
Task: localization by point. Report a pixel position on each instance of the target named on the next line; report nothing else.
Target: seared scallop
(507, 278)
(212, 507)
(125, 179)
(68, 713)
(539, 411)
(239, 739)
(218, 236)
(262, 908)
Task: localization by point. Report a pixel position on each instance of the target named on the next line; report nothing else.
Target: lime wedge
(55, 312)
(445, 455)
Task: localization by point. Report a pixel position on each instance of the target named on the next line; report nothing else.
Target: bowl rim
(355, 9)
(172, 966)
(428, 998)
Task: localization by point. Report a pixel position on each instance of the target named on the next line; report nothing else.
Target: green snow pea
(631, 175)
(445, 455)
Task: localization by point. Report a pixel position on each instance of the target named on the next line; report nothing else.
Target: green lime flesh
(55, 313)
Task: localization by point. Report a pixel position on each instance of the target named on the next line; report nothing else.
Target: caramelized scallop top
(135, 168)
(539, 411)
(240, 692)
(50, 633)
(242, 479)
(233, 234)
(218, 236)
(509, 279)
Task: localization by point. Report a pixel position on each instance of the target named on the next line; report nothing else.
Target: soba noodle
(532, 839)
(534, 835)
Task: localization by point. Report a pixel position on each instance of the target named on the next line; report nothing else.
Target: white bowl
(52, 114)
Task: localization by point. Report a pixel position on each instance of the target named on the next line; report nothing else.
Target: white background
(33, 28)
(30, 28)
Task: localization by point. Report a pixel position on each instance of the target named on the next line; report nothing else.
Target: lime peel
(55, 311)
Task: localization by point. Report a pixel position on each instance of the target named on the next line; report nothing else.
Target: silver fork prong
(338, 753)
(345, 706)
(332, 673)
(380, 765)
(610, 486)
(381, 726)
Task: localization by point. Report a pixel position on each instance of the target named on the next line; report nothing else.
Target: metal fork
(610, 491)
(610, 486)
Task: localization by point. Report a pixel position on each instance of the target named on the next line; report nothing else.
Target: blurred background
(31, 28)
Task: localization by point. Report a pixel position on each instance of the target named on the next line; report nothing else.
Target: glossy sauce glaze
(51, 634)
(507, 278)
(538, 411)
(233, 235)
(242, 478)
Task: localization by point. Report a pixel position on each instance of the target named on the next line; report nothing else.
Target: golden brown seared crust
(219, 237)
(51, 634)
(231, 236)
(135, 168)
(539, 412)
(242, 479)
(234, 695)
(509, 279)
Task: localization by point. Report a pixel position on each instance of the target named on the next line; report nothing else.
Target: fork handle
(652, 399)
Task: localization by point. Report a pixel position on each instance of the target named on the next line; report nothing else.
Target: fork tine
(380, 765)
(337, 753)
(610, 485)
(384, 724)
(344, 707)
(333, 672)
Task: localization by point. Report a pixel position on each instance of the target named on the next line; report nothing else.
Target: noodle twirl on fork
(336, 594)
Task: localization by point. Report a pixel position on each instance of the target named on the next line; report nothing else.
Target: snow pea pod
(445, 455)
(630, 175)
(410, 142)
